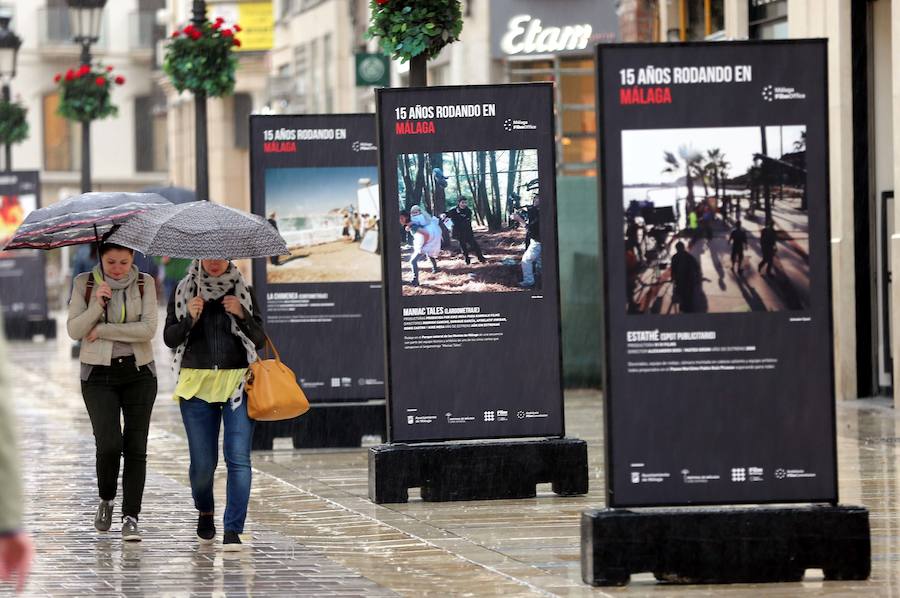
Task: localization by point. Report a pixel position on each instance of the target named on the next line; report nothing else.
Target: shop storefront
(544, 40)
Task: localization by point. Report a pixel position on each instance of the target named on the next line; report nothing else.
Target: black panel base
(325, 427)
(718, 545)
(477, 470)
(25, 329)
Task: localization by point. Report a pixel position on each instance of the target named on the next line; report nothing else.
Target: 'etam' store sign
(531, 27)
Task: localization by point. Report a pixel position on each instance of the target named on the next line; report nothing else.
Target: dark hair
(104, 247)
(679, 246)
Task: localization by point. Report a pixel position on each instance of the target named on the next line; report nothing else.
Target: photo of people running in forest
(716, 220)
(470, 221)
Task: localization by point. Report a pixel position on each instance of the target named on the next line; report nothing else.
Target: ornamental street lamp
(85, 17)
(200, 139)
(9, 55)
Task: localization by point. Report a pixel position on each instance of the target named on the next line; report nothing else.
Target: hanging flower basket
(201, 59)
(13, 122)
(84, 93)
(408, 28)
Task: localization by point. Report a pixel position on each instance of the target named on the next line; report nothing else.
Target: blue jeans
(202, 421)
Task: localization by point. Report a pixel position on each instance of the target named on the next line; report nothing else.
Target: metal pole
(418, 71)
(202, 148)
(86, 130)
(7, 98)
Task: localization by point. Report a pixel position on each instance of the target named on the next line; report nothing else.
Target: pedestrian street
(314, 532)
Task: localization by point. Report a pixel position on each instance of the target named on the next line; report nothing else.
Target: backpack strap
(141, 284)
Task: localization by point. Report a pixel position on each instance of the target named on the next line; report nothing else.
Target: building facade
(128, 151)
(227, 118)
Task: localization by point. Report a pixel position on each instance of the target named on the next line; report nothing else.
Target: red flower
(70, 74)
(176, 33)
(84, 70)
(227, 33)
(237, 28)
(120, 80)
(195, 35)
(382, 2)
(190, 29)
(109, 69)
(219, 20)
(100, 81)
(216, 25)
(57, 78)
(236, 42)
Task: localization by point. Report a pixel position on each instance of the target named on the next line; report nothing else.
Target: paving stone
(315, 533)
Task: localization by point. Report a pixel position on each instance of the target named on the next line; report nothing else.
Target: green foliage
(13, 122)
(408, 28)
(202, 60)
(84, 93)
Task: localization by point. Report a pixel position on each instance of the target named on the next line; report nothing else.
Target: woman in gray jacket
(115, 318)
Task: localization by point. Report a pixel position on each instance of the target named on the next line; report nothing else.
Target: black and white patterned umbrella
(200, 230)
(80, 219)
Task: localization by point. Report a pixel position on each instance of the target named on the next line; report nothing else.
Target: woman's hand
(233, 306)
(92, 335)
(103, 293)
(195, 308)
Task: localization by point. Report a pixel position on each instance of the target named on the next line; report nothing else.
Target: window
(327, 78)
(243, 106)
(576, 116)
(698, 19)
(149, 135)
(286, 8)
(768, 19)
(313, 95)
(62, 138)
(301, 74)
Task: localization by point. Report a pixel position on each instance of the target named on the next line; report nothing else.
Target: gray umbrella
(200, 230)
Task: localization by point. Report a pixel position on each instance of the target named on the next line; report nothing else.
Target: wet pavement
(312, 530)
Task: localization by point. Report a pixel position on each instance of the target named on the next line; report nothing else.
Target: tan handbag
(272, 390)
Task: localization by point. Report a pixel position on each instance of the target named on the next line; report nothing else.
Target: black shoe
(468, 261)
(103, 518)
(231, 541)
(206, 529)
(482, 260)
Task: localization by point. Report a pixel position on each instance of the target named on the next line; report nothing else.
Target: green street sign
(372, 69)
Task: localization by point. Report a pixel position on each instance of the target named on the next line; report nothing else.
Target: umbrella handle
(102, 273)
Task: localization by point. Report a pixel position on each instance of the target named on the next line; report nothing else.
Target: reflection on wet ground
(314, 532)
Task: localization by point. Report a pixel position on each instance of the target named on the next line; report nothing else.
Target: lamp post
(200, 142)
(9, 54)
(84, 17)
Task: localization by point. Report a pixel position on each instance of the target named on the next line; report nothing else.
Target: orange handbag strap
(270, 346)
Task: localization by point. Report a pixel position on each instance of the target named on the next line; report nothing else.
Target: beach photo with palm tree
(715, 219)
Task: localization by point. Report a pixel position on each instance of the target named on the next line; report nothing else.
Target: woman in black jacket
(214, 325)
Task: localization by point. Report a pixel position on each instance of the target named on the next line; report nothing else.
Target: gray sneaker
(103, 518)
(130, 531)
